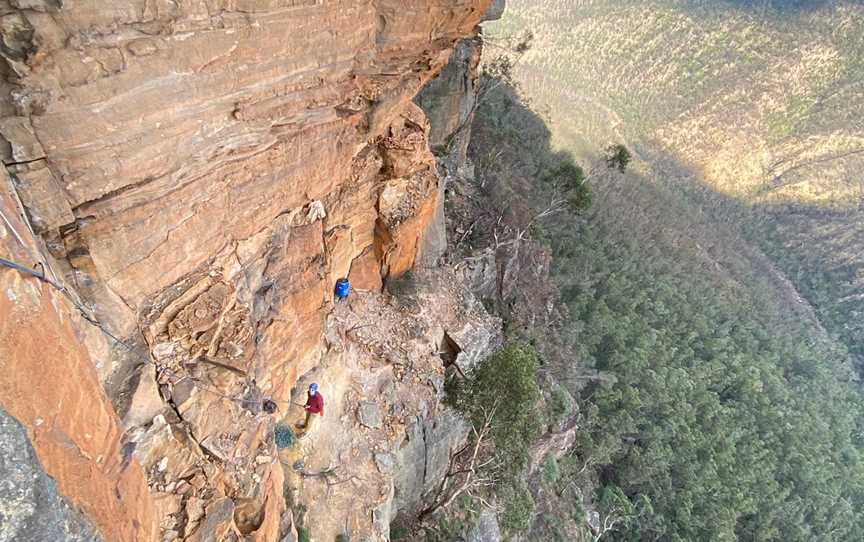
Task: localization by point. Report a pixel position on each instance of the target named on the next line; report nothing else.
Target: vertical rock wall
(31, 508)
(196, 175)
(449, 101)
(49, 384)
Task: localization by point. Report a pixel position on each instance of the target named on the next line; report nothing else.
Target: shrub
(554, 528)
(303, 534)
(617, 157)
(506, 383)
(518, 508)
(569, 179)
(399, 532)
(561, 406)
(551, 473)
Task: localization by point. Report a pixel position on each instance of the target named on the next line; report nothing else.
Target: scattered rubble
(387, 435)
(369, 415)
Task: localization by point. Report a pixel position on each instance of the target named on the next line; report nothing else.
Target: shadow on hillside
(657, 245)
(812, 252)
(781, 5)
(675, 211)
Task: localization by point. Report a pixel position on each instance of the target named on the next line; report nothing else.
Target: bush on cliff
(504, 385)
(500, 399)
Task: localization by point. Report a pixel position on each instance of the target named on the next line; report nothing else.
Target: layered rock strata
(193, 177)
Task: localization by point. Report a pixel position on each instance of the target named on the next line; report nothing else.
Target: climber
(314, 405)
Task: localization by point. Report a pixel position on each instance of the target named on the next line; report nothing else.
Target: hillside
(711, 404)
(712, 290)
(751, 110)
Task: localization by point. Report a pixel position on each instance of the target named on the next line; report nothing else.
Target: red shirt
(315, 403)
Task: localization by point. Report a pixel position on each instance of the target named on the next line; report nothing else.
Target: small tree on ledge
(499, 399)
(617, 157)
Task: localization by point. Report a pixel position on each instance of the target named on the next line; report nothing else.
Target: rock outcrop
(449, 102)
(387, 440)
(190, 179)
(31, 508)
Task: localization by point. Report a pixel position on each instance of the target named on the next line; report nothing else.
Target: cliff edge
(188, 180)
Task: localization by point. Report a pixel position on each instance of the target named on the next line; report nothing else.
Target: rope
(26, 219)
(62, 289)
(93, 321)
(27, 271)
(12, 229)
(201, 386)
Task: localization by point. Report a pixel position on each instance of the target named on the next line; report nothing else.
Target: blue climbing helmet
(313, 388)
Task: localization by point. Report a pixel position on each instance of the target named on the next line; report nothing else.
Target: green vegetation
(303, 535)
(551, 472)
(561, 405)
(709, 411)
(750, 108)
(499, 399)
(568, 180)
(783, 123)
(831, 284)
(502, 388)
(518, 507)
(729, 427)
(617, 157)
(399, 532)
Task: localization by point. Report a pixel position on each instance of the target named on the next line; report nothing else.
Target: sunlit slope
(754, 114)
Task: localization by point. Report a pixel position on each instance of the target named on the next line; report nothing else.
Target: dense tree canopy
(731, 429)
(709, 402)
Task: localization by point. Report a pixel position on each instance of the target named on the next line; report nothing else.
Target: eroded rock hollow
(189, 180)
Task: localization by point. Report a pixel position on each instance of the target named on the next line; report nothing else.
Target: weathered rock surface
(48, 383)
(449, 101)
(369, 415)
(424, 457)
(197, 175)
(486, 529)
(386, 439)
(30, 508)
(161, 134)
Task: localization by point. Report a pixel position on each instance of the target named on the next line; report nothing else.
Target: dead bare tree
(471, 469)
(557, 203)
(617, 514)
(610, 522)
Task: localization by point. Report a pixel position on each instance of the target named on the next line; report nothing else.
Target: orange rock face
(47, 382)
(200, 174)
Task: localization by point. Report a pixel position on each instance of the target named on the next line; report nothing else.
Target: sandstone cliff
(192, 178)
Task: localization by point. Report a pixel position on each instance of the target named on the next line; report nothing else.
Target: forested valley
(711, 401)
